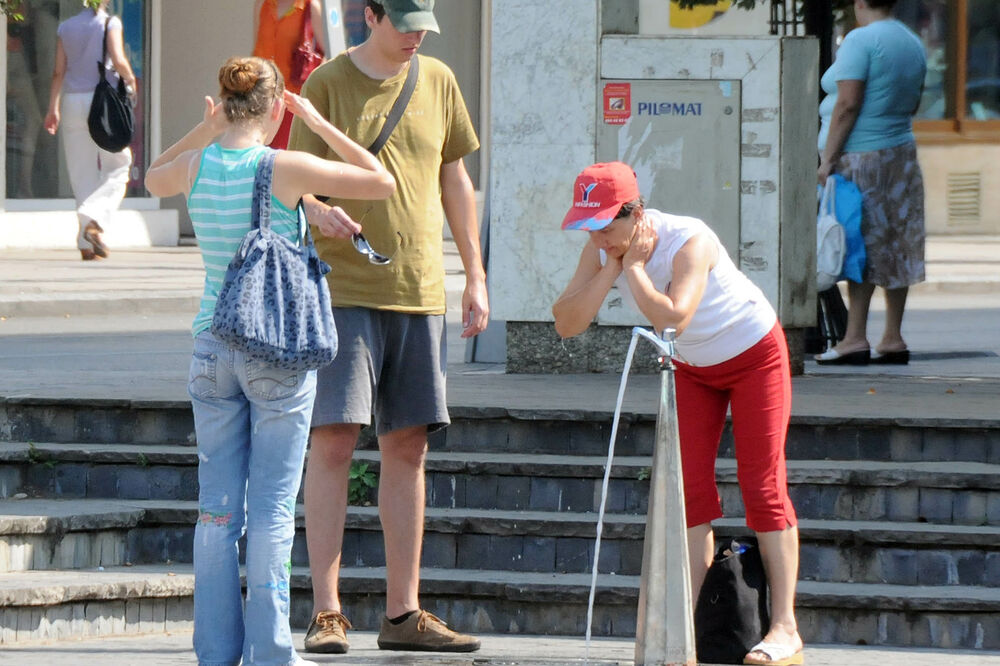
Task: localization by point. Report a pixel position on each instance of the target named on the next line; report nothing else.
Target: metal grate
(964, 197)
(787, 18)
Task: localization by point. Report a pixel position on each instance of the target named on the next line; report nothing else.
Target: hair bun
(239, 76)
(249, 87)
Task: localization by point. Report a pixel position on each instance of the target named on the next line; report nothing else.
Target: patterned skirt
(892, 213)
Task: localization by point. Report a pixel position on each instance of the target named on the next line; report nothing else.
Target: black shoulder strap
(396, 112)
(104, 49)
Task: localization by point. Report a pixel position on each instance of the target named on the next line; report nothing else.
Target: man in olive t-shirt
(390, 318)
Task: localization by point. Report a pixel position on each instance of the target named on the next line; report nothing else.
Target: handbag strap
(829, 202)
(308, 34)
(101, 69)
(260, 212)
(396, 112)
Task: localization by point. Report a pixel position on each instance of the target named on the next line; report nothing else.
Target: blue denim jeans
(252, 425)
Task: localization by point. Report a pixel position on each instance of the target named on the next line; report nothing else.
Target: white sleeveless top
(733, 314)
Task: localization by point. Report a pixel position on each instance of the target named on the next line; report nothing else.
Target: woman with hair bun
(251, 419)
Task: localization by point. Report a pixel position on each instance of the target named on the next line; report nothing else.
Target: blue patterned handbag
(274, 304)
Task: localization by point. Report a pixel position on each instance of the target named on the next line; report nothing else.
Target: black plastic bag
(732, 615)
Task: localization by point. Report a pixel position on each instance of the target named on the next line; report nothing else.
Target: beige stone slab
(53, 587)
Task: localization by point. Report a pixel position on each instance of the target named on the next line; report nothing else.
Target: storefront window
(982, 79)
(962, 88)
(929, 19)
(35, 162)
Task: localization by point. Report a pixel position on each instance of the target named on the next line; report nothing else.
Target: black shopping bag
(831, 322)
(731, 615)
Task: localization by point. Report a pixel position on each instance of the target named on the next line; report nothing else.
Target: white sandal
(778, 654)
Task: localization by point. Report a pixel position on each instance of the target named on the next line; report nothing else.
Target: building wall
(198, 37)
(654, 19)
(459, 45)
(962, 187)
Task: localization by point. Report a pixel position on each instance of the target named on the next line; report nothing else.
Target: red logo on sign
(617, 103)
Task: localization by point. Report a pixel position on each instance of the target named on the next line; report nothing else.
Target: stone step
(539, 430)
(54, 534)
(31, 419)
(38, 535)
(116, 601)
(552, 431)
(964, 493)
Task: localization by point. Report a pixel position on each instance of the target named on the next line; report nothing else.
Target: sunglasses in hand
(363, 247)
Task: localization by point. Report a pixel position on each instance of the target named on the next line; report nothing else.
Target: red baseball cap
(598, 195)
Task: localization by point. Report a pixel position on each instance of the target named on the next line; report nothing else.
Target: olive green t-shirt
(435, 129)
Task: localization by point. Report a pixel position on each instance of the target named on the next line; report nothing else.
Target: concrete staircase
(899, 525)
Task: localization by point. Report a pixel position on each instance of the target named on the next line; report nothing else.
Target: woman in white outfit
(98, 177)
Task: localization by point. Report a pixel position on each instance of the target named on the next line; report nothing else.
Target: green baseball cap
(411, 15)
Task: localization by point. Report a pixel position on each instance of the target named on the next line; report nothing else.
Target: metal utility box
(682, 138)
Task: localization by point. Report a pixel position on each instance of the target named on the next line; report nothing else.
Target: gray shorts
(395, 357)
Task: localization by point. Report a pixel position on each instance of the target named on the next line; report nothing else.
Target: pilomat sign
(669, 109)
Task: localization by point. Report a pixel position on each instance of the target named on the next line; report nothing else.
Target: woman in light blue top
(873, 90)
(251, 419)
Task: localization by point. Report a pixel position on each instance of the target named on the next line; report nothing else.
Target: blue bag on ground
(848, 200)
(274, 304)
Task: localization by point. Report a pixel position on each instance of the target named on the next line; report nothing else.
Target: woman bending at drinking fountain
(730, 352)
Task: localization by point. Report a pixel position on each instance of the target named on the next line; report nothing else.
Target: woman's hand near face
(612, 261)
(641, 246)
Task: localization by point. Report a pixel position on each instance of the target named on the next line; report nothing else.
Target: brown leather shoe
(87, 255)
(424, 632)
(327, 633)
(92, 234)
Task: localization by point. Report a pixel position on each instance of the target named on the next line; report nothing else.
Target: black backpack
(731, 615)
(111, 121)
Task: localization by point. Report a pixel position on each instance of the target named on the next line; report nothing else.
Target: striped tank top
(219, 205)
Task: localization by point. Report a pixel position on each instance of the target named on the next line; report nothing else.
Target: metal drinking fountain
(665, 623)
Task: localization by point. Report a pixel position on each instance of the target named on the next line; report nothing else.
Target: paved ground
(122, 326)
(540, 650)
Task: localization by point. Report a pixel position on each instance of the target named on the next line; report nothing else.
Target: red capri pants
(758, 386)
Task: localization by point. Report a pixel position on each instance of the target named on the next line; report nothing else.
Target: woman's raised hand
(303, 108)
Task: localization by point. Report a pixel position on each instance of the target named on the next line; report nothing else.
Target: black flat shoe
(833, 357)
(901, 357)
